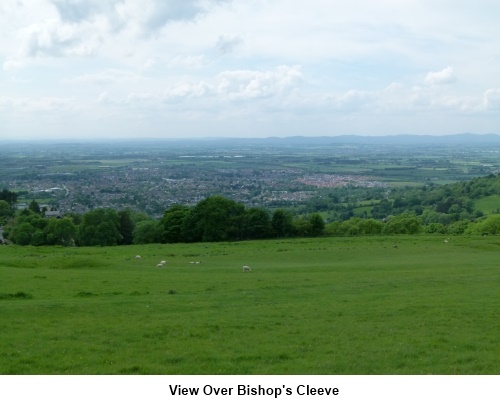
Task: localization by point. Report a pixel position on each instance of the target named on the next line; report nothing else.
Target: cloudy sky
(247, 68)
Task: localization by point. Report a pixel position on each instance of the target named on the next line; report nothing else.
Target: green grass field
(377, 305)
(488, 205)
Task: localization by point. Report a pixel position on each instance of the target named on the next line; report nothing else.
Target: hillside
(367, 305)
(448, 209)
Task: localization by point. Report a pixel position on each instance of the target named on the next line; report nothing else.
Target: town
(151, 176)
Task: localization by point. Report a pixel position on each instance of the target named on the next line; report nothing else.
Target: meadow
(352, 306)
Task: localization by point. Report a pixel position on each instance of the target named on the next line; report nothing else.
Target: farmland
(362, 305)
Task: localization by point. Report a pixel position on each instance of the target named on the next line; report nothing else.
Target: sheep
(159, 265)
(163, 262)
(138, 257)
(246, 268)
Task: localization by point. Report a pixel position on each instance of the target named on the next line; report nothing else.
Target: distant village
(152, 190)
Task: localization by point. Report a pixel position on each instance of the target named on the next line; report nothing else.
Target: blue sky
(72, 69)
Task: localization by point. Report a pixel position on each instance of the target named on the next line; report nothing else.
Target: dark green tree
(8, 196)
(61, 232)
(171, 224)
(23, 233)
(282, 222)
(6, 211)
(34, 207)
(126, 227)
(317, 224)
(256, 223)
(403, 224)
(100, 228)
(38, 238)
(147, 232)
(213, 219)
(301, 226)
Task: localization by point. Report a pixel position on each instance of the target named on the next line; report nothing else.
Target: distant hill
(456, 139)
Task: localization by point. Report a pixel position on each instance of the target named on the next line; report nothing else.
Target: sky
(110, 69)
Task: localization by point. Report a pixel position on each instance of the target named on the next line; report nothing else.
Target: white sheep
(159, 265)
(246, 268)
(138, 257)
(163, 262)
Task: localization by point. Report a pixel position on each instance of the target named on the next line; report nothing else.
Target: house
(53, 214)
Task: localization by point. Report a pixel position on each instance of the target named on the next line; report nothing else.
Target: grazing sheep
(246, 268)
(163, 262)
(159, 265)
(138, 257)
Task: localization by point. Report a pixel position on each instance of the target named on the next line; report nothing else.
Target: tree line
(447, 209)
(213, 219)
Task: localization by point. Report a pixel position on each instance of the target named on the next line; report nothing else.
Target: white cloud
(250, 84)
(106, 77)
(13, 64)
(314, 64)
(148, 17)
(445, 76)
(186, 92)
(228, 43)
(355, 100)
(75, 11)
(235, 85)
(491, 99)
(188, 62)
(37, 105)
(51, 38)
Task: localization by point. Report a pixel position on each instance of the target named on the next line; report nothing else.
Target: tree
(214, 219)
(371, 227)
(34, 207)
(403, 224)
(75, 217)
(38, 238)
(301, 226)
(147, 232)
(490, 225)
(459, 227)
(126, 227)
(9, 196)
(100, 228)
(317, 224)
(171, 224)
(61, 232)
(256, 223)
(5, 211)
(22, 234)
(282, 222)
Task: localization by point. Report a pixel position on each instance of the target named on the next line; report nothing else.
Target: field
(378, 305)
(489, 205)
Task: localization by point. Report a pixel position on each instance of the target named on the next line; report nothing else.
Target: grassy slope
(309, 306)
(488, 204)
